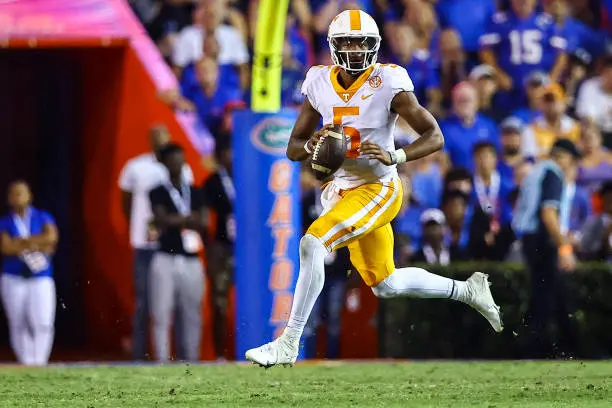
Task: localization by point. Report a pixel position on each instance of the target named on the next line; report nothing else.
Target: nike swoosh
(363, 97)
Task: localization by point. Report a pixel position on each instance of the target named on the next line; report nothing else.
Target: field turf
(384, 384)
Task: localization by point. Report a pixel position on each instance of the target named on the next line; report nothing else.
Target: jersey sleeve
(493, 33)
(400, 80)
(308, 86)
(4, 225)
(552, 190)
(557, 39)
(46, 218)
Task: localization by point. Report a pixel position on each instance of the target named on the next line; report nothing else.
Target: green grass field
(490, 385)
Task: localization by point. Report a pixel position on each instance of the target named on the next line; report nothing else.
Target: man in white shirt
(140, 175)
(595, 101)
(208, 18)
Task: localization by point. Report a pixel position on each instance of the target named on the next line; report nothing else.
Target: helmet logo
(375, 81)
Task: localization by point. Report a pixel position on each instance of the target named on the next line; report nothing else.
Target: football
(329, 152)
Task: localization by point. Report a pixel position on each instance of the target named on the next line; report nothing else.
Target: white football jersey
(364, 109)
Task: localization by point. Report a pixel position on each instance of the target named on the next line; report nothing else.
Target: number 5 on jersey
(339, 113)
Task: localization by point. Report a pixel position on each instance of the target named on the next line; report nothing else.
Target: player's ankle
(459, 291)
(291, 335)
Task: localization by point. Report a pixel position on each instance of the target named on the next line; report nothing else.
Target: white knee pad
(385, 289)
(311, 246)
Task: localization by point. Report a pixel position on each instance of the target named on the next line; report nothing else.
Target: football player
(365, 194)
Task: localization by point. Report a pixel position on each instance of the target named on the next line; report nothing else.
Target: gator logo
(271, 135)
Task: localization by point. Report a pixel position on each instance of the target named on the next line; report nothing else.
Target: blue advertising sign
(268, 226)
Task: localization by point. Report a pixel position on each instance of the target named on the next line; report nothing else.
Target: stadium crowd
(505, 79)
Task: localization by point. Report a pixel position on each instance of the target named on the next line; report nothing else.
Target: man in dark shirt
(542, 213)
(177, 273)
(219, 194)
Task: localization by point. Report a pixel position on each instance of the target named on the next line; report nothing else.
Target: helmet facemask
(354, 53)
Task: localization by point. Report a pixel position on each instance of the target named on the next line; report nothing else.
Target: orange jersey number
(339, 113)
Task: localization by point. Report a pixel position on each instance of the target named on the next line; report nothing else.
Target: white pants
(30, 310)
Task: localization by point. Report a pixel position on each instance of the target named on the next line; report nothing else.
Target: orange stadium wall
(118, 104)
(121, 105)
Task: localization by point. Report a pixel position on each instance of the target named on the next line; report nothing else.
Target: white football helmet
(354, 41)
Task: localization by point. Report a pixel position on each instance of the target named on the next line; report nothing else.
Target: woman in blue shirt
(28, 237)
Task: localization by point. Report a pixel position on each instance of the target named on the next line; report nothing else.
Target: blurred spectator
(139, 176)
(219, 193)
(596, 164)
(469, 18)
(595, 101)
(576, 74)
(511, 157)
(535, 86)
(177, 273)
(434, 251)
(451, 60)
(421, 16)
(582, 39)
(201, 84)
(292, 76)
(542, 213)
(454, 206)
(420, 67)
(596, 236)
(426, 178)
(491, 205)
(173, 16)
(458, 178)
(28, 238)
(517, 42)
(465, 127)
(552, 125)
(482, 78)
(208, 21)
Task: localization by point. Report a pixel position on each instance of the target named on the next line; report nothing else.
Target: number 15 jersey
(364, 109)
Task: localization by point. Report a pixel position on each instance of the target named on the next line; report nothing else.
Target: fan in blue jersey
(518, 42)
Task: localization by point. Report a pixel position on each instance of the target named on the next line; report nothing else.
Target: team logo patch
(375, 81)
(271, 135)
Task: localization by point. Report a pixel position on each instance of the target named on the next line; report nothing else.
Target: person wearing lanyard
(177, 273)
(491, 209)
(29, 237)
(219, 194)
(541, 216)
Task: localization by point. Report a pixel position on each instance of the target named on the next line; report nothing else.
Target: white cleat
(478, 295)
(279, 351)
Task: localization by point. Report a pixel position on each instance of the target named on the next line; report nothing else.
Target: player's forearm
(430, 142)
(296, 151)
